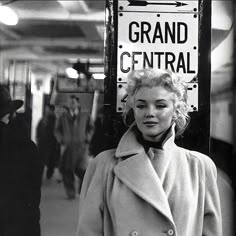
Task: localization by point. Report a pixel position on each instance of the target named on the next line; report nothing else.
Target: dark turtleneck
(147, 144)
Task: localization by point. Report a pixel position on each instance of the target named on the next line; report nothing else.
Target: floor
(58, 215)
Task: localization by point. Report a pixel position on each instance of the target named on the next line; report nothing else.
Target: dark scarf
(147, 144)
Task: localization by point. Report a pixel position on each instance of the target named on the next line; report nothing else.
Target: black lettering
(122, 62)
(188, 64)
(169, 33)
(158, 59)
(124, 98)
(134, 61)
(147, 62)
(170, 59)
(183, 32)
(145, 31)
(157, 33)
(181, 63)
(133, 35)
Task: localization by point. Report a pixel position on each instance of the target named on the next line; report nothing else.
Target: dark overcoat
(71, 134)
(20, 181)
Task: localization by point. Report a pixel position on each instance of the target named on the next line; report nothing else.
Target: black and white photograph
(117, 118)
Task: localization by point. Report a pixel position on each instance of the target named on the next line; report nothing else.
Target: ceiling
(52, 34)
(55, 33)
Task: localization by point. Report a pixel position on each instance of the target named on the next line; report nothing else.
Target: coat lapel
(139, 175)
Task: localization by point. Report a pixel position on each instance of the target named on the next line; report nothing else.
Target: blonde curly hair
(158, 77)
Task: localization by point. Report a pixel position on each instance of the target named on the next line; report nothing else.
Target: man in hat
(7, 106)
(20, 172)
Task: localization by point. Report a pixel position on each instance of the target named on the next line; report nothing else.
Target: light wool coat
(123, 194)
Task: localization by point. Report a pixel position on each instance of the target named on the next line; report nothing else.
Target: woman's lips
(150, 123)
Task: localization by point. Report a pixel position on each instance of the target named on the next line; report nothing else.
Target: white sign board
(158, 6)
(157, 34)
(192, 94)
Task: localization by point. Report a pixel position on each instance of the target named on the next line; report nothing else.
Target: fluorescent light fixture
(98, 76)
(8, 16)
(96, 69)
(72, 73)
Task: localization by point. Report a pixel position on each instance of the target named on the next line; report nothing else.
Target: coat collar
(138, 173)
(129, 145)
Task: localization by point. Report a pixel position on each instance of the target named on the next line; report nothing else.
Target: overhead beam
(49, 56)
(68, 42)
(98, 16)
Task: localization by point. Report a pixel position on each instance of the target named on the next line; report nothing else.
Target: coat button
(170, 232)
(134, 233)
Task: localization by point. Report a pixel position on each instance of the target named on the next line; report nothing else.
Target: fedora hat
(7, 105)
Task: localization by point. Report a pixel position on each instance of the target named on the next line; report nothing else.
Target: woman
(148, 185)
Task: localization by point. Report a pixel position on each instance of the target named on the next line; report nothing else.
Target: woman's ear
(176, 112)
(175, 117)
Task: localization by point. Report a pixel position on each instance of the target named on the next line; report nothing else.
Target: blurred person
(96, 144)
(148, 185)
(70, 132)
(48, 146)
(20, 172)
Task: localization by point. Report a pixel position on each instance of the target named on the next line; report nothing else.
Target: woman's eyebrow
(158, 100)
(161, 100)
(140, 100)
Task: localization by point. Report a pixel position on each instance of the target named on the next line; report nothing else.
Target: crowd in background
(62, 143)
(67, 141)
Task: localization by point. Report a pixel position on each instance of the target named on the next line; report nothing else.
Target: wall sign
(158, 34)
(192, 94)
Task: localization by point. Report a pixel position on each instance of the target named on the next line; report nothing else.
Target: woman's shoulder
(200, 158)
(104, 160)
(98, 169)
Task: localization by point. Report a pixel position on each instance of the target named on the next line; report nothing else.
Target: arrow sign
(145, 3)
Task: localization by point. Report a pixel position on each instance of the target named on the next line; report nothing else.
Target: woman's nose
(150, 111)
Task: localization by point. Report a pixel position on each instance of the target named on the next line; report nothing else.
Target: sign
(192, 94)
(158, 6)
(157, 34)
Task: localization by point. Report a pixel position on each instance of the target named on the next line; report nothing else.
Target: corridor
(58, 215)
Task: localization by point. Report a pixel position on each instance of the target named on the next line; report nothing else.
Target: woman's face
(153, 111)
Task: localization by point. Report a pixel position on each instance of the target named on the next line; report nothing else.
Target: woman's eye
(160, 106)
(140, 106)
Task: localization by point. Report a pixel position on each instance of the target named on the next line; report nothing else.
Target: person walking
(70, 132)
(48, 146)
(20, 172)
(97, 142)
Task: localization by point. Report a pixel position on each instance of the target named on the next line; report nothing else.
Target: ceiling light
(8, 16)
(98, 76)
(72, 73)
